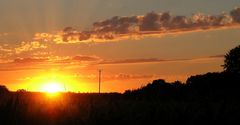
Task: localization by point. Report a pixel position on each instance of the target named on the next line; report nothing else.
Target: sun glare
(52, 83)
(53, 87)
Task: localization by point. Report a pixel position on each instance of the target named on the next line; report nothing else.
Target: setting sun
(53, 87)
(54, 82)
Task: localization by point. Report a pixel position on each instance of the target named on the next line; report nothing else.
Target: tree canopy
(232, 60)
(3, 89)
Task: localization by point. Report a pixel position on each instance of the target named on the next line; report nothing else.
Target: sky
(132, 41)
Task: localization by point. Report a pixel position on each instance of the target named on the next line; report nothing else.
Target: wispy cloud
(157, 60)
(42, 63)
(85, 58)
(118, 76)
(129, 61)
(31, 63)
(124, 76)
(30, 60)
(57, 59)
(3, 34)
(5, 49)
(217, 56)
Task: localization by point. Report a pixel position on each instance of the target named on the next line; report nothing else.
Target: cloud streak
(33, 63)
(157, 60)
(119, 76)
(3, 34)
(42, 63)
(149, 24)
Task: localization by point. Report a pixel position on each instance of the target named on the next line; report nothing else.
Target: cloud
(118, 76)
(152, 23)
(29, 46)
(45, 62)
(43, 37)
(217, 56)
(235, 14)
(85, 58)
(5, 49)
(23, 64)
(123, 76)
(30, 60)
(81, 61)
(18, 68)
(57, 59)
(156, 60)
(3, 34)
(129, 61)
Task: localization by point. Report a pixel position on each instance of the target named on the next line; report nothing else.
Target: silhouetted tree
(3, 89)
(21, 90)
(232, 60)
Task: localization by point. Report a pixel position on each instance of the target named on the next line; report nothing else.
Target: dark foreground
(205, 99)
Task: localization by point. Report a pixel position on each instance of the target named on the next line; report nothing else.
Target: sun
(53, 87)
(56, 82)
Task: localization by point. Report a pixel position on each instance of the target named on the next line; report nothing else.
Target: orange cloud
(43, 37)
(86, 58)
(29, 60)
(118, 76)
(29, 46)
(3, 34)
(82, 59)
(4, 49)
(126, 61)
(156, 60)
(123, 76)
(30, 63)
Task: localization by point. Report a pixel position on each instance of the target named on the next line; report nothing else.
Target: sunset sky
(132, 41)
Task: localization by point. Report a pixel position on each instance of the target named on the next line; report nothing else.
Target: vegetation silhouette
(232, 60)
(211, 98)
(3, 89)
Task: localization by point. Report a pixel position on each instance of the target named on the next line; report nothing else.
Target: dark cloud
(151, 24)
(118, 25)
(235, 14)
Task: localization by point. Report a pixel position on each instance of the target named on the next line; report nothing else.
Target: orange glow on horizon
(55, 82)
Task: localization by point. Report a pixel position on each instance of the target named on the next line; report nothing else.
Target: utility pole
(99, 81)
